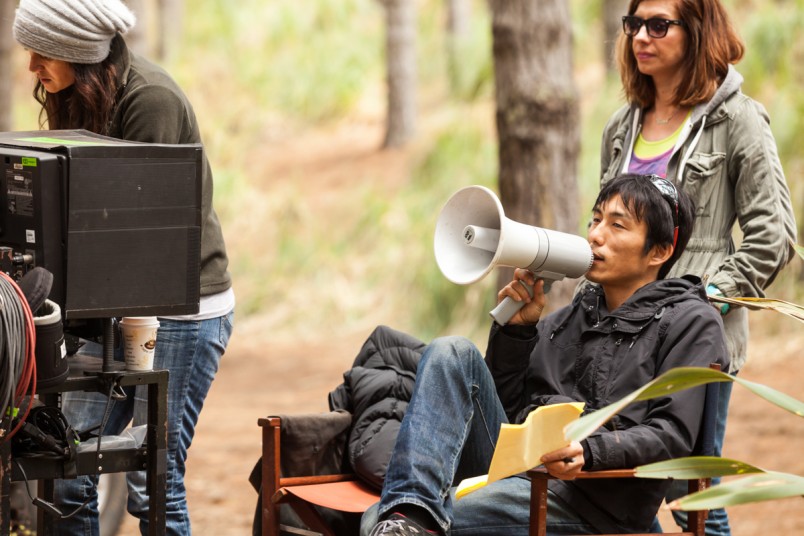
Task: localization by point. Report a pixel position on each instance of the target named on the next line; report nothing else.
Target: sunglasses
(670, 194)
(657, 28)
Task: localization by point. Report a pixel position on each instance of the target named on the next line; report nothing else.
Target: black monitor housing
(117, 223)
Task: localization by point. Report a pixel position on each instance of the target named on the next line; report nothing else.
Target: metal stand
(151, 457)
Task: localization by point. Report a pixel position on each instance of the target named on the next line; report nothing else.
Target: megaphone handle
(507, 308)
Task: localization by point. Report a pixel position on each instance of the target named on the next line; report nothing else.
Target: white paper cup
(139, 341)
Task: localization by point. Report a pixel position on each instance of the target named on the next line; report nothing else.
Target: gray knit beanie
(76, 31)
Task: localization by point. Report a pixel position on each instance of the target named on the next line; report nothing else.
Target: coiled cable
(17, 356)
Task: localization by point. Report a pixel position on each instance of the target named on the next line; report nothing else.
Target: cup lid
(140, 321)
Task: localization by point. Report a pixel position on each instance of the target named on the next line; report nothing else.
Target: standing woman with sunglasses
(687, 120)
(86, 78)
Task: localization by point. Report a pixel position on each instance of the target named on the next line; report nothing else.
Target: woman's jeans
(448, 433)
(191, 351)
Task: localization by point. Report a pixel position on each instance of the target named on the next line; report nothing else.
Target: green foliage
(470, 66)
(799, 250)
(260, 73)
(760, 486)
(772, 35)
(765, 486)
(312, 61)
(595, 114)
(673, 381)
(372, 258)
(695, 467)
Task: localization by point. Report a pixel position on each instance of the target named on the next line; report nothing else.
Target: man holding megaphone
(620, 332)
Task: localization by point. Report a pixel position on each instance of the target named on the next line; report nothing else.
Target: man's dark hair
(645, 201)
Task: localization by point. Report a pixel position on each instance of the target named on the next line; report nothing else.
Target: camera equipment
(117, 223)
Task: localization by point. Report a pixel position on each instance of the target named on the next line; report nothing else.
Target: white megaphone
(473, 236)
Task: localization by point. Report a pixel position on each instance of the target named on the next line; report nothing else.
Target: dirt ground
(262, 374)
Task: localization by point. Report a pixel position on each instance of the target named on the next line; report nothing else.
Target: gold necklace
(665, 121)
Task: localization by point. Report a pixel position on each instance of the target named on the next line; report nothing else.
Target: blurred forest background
(329, 220)
(309, 248)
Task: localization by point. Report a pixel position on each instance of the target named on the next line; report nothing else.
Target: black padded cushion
(35, 285)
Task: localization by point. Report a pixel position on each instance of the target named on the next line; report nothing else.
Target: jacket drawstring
(566, 320)
(657, 316)
(688, 154)
(635, 128)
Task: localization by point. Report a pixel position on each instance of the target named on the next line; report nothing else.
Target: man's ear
(660, 254)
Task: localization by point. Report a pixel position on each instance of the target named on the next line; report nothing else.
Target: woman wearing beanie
(88, 79)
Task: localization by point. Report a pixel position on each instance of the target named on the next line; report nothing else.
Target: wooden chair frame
(345, 493)
(341, 491)
(538, 500)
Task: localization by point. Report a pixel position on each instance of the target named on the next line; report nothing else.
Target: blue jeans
(448, 433)
(717, 522)
(191, 351)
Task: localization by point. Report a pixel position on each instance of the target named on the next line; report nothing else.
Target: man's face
(618, 242)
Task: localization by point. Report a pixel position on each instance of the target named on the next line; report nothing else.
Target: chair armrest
(541, 473)
(321, 479)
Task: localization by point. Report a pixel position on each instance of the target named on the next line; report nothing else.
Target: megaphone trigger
(473, 236)
(507, 308)
(527, 288)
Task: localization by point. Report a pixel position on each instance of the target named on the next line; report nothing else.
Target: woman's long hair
(712, 44)
(87, 104)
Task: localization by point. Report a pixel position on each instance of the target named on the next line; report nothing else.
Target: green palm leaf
(799, 250)
(755, 488)
(762, 486)
(670, 382)
(792, 310)
(696, 467)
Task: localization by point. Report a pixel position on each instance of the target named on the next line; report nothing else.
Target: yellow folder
(521, 446)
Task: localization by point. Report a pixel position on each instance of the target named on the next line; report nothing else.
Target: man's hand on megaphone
(518, 291)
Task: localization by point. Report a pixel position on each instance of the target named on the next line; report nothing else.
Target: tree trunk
(613, 11)
(458, 12)
(6, 59)
(401, 71)
(171, 24)
(458, 17)
(537, 117)
(137, 37)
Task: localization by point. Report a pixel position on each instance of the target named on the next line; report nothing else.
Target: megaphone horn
(473, 236)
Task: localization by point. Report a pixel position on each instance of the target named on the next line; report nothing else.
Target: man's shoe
(399, 525)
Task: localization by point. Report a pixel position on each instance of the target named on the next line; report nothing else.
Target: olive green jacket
(726, 160)
(150, 107)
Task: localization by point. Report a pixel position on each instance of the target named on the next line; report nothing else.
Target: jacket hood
(708, 113)
(731, 84)
(704, 113)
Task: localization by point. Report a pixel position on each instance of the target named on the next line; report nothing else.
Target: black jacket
(376, 390)
(585, 353)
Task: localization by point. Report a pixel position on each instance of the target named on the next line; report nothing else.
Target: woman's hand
(532, 310)
(565, 463)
